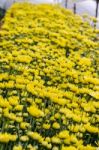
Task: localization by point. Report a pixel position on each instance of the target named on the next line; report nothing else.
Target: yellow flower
(67, 112)
(57, 115)
(48, 139)
(91, 129)
(84, 119)
(55, 148)
(19, 86)
(24, 125)
(35, 136)
(14, 100)
(55, 140)
(3, 76)
(60, 101)
(24, 58)
(13, 137)
(76, 118)
(31, 147)
(21, 80)
(64, 134)
(11, 116)
(76, 128)
(56, 125)
(96, 104)
(46, 126)
(68, 148)
(38, 100)
(49, 146)
(0, 110)
(19, 147)
(24, 138)
(85, 61)
(44, 143)
(19, 107)
(73, 139)
(10, 84)
(4, 102)
(6, 137)
(35, 112)
(47, 111)
(89, 147)
(91, 80)
(95, 94)
(67, 141)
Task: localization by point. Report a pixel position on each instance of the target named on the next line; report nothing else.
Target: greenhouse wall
(7, 3)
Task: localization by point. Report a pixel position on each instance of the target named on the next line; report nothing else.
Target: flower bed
(49, 85)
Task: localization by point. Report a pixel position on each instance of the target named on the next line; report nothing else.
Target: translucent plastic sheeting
(7, 3)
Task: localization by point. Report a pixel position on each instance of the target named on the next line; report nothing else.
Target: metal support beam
(74, 8)
(97, 6)
(66, 3)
